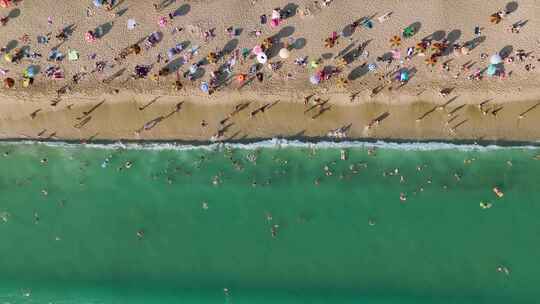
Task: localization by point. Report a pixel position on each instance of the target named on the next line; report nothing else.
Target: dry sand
(118, 117)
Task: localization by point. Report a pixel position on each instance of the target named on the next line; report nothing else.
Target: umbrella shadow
(472, 44)
(290, 10)
(199, 74)
(230, 46)
(345, 50)
(11, 45)
(182, 10)
(327, 56)
(385, 57)
(68, 30)
(103, 29)
(511, 7)
(506, 51)
(453, 36)
(437, 36)
(14, 13)
(358, 72)
(174, 65)
(276, 40)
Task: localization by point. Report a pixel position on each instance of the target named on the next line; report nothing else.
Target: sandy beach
(98, 99)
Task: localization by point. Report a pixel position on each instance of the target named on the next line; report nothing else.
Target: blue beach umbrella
(315, 79)
(372, 67)
(31, 71)
(171, 53)
(98, 3)
(404, 76)
(492, 69)
(204, 87)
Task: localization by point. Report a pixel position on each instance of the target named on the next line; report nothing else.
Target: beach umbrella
(73, 55)
(89, 36)
(98, 3)
(162, 22)
(395, 41)
(275, 14)
(492, 69)
(284, 53)
(372, 67)
(404, 76)
(261, 58)
(27, 82)
(131, 24)
(367, 23)
(274, 23)
(8, 57)
(396, 54)
(241, 78)
(204, 87)
(257, 50)
(408, 32)
(193, 69)
(179, 47)
(31, 71)
(171, 53)
(495, 59)
(315, 78)
(9, 83)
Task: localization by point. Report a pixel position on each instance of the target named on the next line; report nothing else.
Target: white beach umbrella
(284, 53)
(131, 24)
(262, 58)
(315, 79)
(495, 59)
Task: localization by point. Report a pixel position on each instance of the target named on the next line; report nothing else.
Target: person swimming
(498, 192)
(105, 163)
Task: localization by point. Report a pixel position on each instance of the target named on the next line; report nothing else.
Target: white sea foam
(280, 143)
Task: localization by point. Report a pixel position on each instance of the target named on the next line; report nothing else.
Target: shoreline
(322, 142)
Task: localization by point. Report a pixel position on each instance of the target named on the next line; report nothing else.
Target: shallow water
(207, 217)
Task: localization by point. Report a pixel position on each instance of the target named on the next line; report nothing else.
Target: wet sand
(120, 118)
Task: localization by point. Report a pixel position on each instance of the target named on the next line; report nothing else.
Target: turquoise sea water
(269, 225)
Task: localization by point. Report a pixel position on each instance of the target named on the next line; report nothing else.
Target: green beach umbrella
(492, 69)
(408, 32)
(73, 55)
